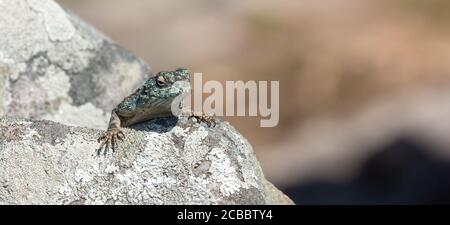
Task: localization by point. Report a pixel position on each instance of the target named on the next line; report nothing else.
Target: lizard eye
(161, 81)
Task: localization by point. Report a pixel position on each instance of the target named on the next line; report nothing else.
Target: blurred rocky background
(365, 85)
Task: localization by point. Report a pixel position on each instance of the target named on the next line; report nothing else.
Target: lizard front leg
(202, 117)
(109, 138)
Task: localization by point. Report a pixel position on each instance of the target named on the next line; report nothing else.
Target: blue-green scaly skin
(150, 95)
(152, 100)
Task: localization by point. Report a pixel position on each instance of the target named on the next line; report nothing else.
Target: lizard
(152, 100)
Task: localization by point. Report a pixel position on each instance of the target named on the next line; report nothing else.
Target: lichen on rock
(43, 162)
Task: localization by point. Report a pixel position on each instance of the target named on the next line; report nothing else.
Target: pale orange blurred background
(364, 85)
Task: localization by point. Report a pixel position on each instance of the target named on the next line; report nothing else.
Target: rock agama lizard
(152, 100)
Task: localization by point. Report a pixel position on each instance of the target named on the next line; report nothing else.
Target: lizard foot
(205, 118)
(109, 140)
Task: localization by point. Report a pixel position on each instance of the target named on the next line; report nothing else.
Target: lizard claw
(109, 140)
(120, 135)
(101, 138)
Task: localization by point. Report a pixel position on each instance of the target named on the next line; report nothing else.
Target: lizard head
(168, 84)
(156, 96)
(160, 90)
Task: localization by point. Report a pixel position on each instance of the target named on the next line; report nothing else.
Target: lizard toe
(120, 135)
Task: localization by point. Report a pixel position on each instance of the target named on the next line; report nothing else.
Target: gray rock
(165, 161)
(54, 66)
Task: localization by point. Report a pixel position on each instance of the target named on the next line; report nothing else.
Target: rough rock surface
(54, 66)
(166, 161)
